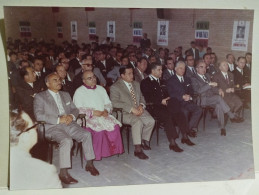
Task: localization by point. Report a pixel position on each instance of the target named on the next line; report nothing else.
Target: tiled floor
(213, 158)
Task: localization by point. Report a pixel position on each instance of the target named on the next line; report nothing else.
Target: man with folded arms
(57, 109)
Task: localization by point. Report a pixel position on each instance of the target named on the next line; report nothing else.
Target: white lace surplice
(88, 100)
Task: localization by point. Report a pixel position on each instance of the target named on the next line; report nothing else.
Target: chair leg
(204, 118)
(127, 135)
(157, 133)
(51, 153)
(81, 154)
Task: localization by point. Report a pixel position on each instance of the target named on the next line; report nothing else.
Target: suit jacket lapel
(125, 88)
(63, 102)
(52, 102)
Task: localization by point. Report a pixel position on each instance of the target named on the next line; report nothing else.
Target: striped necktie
(133, 94)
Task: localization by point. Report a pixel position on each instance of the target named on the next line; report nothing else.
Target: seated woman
(27, 172)
(92, 100)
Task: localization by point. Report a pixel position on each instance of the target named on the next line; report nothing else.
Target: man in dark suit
(151, 88)
(15, 77)
(38, 69)
(125, 93)
(190, 69)
(133, 60)
(248, 65)
(139, 71)
(211, 95)
(75, 62)
(211, 68)
(225, 80)
(27, 89)
(103, 64)
(169, 71)
(65, 62)
(179, 87)
(161, 56)
(145, 42)
(194, 51)
(57, 109)
(231, 62)
(242, 81)
(66, 84)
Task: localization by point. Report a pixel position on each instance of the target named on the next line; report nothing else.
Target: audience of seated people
(37, 70)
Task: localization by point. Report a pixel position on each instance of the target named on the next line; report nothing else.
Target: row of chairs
(118, 113)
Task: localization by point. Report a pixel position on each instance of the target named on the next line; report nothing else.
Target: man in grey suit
(210, 94)
(126, 94)
(57, 109)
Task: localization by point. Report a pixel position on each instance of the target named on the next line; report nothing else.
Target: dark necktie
(182, 80)
(205, 79)
(193, 71)
(226, 77)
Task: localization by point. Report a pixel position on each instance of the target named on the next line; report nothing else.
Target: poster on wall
(111, 30)
(240, 35)
(202, 33)
(73, 30)
(25, 29)
(59, 30)
(92, 31)
(162, 33)
(137, 32)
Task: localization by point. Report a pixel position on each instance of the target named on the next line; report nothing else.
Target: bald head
(89, 78)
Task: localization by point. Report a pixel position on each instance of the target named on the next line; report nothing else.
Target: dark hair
(38, 58)
(206, 54)
(154, 65)
(122, 69)
(23, 71)
(248, 54)
(188, 55)
(168, 59)
(22, 61)
(228, 55)
(241, 57)
(142, 58)
(12, 53)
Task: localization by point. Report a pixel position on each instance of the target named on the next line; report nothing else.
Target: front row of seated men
(57, 109)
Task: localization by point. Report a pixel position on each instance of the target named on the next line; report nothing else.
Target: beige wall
(181, 25)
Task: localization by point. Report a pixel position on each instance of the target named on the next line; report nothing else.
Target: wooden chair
(119, 116)
(205, 109)
(151, 110)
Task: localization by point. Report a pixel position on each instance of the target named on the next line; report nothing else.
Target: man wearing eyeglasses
(59, 112)
(87, 65)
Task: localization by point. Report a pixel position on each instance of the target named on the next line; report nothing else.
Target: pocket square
(67, 103)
